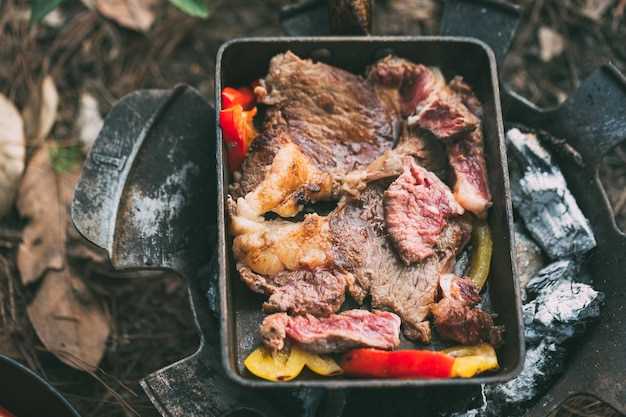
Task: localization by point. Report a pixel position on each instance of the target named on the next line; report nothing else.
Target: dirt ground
(86, 52)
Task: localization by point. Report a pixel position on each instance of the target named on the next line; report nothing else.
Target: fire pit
(127, 203)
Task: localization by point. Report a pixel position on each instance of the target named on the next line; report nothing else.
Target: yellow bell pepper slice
(285, 366)
(472, 360)
(482, 248)
(274, 366)
(320, 364)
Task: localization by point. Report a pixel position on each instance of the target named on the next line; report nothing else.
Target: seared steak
(450, 112)
(336, 333)
(362, 250)
(457, 319)
(283, 185)
(318, 292)
(334, 117)
(417, 208)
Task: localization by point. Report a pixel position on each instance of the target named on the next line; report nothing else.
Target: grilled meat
(397, 229)
(289, 180)
(417, 207)
(336, 333)
(334, 117)
(271, 246)
(467, 158)
(427, 152)
(456, 318)
(450, 112)
(318, 292)
(361, 249)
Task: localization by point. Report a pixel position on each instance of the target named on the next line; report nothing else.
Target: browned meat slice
(318, 292)
(417, 208)
(467, 159)
(334, 117)
(426, 150)
(336, 333)
(278, 177)
(402, 84)
(361, 249)
(471, 186)
(464, 91)
(456, 318)
(450, 112)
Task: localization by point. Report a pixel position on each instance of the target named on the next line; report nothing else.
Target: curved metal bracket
(147, 196)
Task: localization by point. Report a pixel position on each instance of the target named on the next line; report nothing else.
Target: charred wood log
(543, 201)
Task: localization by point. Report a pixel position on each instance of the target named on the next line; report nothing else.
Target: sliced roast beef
(361, 249)
(335, 333)
(457, 319)
(417, 208)
(318, 292)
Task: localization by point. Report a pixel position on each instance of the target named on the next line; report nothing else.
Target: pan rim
(227, 349)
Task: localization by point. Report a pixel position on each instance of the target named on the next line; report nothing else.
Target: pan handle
(492, 21)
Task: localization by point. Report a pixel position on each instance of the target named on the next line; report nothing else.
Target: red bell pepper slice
(238, 132)
(5, 413)
(243, 97)
(374, 363)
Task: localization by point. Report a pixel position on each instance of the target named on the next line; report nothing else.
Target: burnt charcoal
(548, 277)
(528, 257)
(543, 363)
(543, 201)
(561, 311)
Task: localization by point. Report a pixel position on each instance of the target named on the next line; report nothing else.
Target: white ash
(543, 201)
(561, 311)
(551, 275)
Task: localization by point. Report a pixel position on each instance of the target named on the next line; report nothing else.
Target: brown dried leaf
(551, 44)
(40, 113)
(70, 322)
(595, 9)
(12, 151)
(41, 200)
(133, 14)
(7, 346)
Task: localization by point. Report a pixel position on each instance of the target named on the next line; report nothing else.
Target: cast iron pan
(26, 394)
(147, 197)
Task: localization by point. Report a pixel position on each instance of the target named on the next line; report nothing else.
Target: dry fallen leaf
(69, 320)
(89, 121)
(12, 151)
(551, 44)
(39, 199)
(133, 14)
(40, 113)
(594, 9)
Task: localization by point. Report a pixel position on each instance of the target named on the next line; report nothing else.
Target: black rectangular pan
(242, 61)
